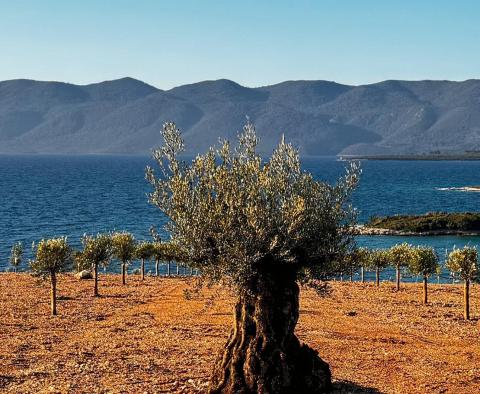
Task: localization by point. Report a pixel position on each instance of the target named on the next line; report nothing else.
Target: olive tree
(464, 262)
(123, 248)
(259, 227)
(379, 259)
(400, 256)
(96, 250)
(363, 258)
(16, 255)
(52, 256)
(144, 251)
(424, 262)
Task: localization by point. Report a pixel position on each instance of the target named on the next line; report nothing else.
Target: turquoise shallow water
(43, 196)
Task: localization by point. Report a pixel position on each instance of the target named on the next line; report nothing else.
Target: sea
(48, 196)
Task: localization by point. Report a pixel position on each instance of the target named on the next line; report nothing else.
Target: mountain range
(124, 116)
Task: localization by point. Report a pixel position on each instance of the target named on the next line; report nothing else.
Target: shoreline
(361, 229)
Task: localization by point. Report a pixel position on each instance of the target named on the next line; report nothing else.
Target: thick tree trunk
(425, 290)
(466, 299)
(262, 354)
(143, 269)
(95, 280)
(157, 262)
(362, 274)
(377, 277)
(124, 269)
(53, 293)
(398, 278)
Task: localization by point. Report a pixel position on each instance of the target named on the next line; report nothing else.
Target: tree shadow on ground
(347, 387)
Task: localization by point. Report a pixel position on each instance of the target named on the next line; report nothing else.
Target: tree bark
(377, 276)
(362, 274)
(466, 299)
(157, 262)
(123, 273)
(95, 280)
(53, 293)
(168, 268)
(262, 354)
(178, 269)
(398, 278)
(143, 269)
(425, 290)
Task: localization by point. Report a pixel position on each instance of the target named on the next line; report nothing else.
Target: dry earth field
(146, 338)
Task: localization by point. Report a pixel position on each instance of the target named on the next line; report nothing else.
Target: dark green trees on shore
(52, 256)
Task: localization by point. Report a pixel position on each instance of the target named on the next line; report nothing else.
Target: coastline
(361, 229)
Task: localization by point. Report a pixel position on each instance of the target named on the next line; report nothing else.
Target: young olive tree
(379, 259)
(52, 256)
(363, 258)
(96, 250)
(16, 255)
(352, 261)
(424, 262)
(144, 251)
(123, 248)
(400, 256)
(259, 227)
(464, 262)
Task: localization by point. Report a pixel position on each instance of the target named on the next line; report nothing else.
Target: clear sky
(169, 43)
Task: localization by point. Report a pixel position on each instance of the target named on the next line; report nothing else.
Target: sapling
(424, 262)
(52, 256)
(96, 250)
(400, 256)
(144, 251)
(123, 248)
(464, 262)
(16, 255)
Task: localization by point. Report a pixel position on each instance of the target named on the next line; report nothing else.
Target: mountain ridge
(320, 117)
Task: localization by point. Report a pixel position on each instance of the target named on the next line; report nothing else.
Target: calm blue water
(44, 196)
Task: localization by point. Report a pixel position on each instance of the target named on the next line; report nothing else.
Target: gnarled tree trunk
(262, 354)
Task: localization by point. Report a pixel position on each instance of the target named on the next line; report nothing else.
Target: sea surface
(46, 196)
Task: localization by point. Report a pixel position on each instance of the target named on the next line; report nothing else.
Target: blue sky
(169, 43)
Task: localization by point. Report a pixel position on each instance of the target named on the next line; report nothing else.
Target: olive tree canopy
(233, 213)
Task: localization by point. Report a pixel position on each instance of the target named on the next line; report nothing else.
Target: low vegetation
(430, 222)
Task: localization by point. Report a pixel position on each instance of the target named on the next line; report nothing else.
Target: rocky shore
(365, 230)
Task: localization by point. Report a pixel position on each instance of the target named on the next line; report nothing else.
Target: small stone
(85, 274)
(351, 313)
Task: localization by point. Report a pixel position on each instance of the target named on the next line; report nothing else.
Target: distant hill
(320, 117)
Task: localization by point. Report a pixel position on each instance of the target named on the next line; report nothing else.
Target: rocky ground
(146, 338)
